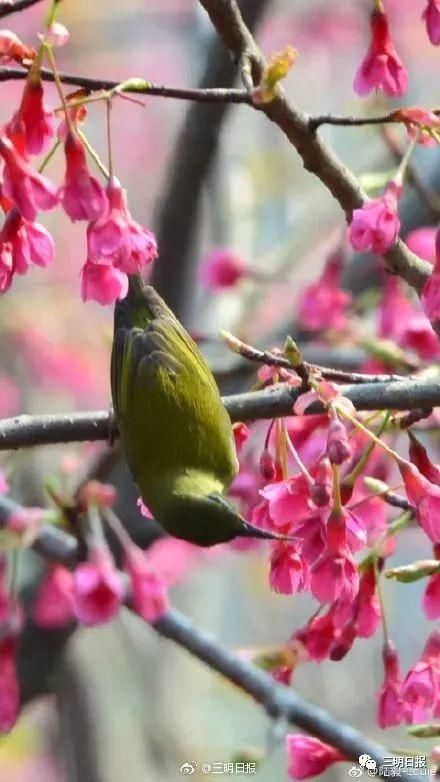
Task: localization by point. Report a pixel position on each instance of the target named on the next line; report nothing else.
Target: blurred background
(119, 703)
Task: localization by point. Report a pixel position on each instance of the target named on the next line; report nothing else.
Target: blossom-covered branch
(31, 430)
(278, 701)
(317, 157)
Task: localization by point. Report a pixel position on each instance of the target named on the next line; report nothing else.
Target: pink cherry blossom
(404, 322)
(419, 456)
(431, 15)
(323, 305)
(431, 290)
(421, 241)
(288, 501)
(318, 636)
(420, 690)
(431, 597)
(103, 283)
(222, 269)
(27, 189)
(421, 124)
(116, 238)
(34, 119)
(82, 196)
(338, 445)
(13, 49)
(307, 756)
(334, 575)
(288, 571)
(368, 611)
(241, 434)
(97, 589)
(375, 226)
(425, 497)
(148, 591)
(390, 706)
(53, 606)
(381, 68)
(57, 34)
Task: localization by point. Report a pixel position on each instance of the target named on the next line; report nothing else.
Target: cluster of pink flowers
(332, 518)
(91, 594)
(116, 244)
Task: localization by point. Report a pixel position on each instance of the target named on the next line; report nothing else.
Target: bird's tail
(249, 531)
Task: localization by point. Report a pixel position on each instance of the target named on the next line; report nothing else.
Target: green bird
(176, 435)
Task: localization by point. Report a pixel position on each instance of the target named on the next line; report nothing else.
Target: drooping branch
(51, 429)
(317, 156)
(278, 702)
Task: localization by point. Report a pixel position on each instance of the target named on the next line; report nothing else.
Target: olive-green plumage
(176, 435)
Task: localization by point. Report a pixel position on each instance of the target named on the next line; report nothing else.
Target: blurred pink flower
(102, 282)
(375, 226)
(81, 195)
(382, 68)
(421, 241)
(97, 589)
(53, 606)
(338, 444)
(431, 597)
(420, 123)
(307, 756)
(420, 689)
(222, 269)
(12, 48)
(9, 687)
(431, 15)
(148, 590)
(241, 435)
(28, 190)
(323, 304)
(334, 575)
(58, 34)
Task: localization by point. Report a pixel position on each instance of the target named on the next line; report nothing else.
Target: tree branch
(11, 7)
(278, 702)
(317, 157)
(89, 84)
(29, 430)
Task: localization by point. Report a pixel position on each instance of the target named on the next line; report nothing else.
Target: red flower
(82, 196)
(288, 571)
(382, 68)
(323, 304)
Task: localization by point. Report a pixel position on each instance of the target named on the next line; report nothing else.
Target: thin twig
(89, 84)
(252, 353)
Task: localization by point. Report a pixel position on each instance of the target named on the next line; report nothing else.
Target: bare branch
(12, 7)
(30, 430)
(89, 84)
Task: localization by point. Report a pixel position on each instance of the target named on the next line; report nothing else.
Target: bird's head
(204, 519)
